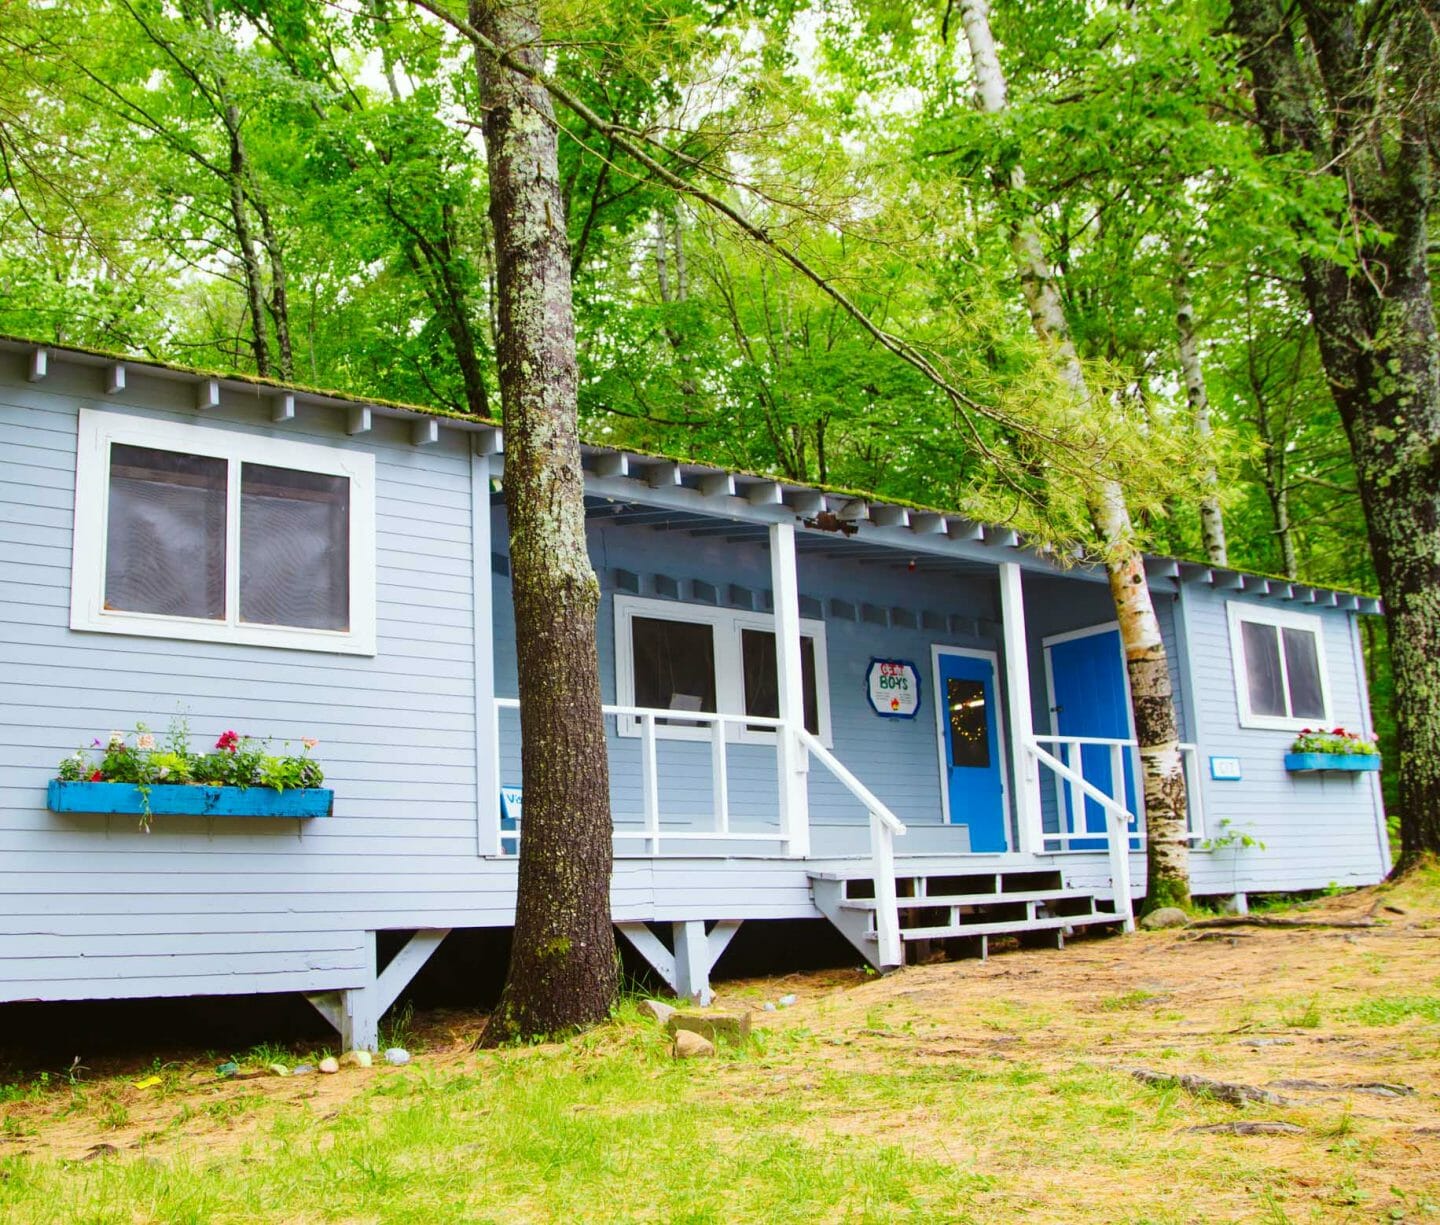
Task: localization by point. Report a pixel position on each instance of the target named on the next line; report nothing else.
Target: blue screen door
(969, 723)
(1089, 697)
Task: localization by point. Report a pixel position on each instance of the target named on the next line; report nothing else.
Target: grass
(962, 1093)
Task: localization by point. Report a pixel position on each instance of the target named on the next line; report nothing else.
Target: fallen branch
(1268, 921)
(1249, 1129)
(1200, 1086)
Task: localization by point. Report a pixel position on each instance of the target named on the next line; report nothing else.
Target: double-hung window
(1279, 660)
(196, 532)
(692, 657)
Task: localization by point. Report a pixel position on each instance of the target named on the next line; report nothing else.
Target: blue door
(1089, 697)
(969, 726)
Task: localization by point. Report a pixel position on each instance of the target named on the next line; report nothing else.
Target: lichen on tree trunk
(1152, 701)
(562, 972)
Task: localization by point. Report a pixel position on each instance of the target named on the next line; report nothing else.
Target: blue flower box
(190, 800)
(1300, 762)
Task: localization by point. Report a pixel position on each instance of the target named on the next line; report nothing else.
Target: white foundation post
(792, 761)
(692, 961)
(1023, 770)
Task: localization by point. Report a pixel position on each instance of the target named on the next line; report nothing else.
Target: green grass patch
(1397, 1010)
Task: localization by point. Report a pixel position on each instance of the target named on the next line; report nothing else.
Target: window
(194, 532)
(1279, 667)
(672, 656)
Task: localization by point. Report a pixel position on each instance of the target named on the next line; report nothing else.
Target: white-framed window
(1279, 661)
(195, 532)
(673, 656)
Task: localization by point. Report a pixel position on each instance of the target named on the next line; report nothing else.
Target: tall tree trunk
(1375, 318)
(562, 964)
(1212, 521)
(279, 291)
(1156, 729)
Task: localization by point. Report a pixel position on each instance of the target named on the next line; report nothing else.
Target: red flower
(228, 742)
(98, 776)
(1339, 731)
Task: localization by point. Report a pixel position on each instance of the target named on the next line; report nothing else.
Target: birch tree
(1156, 729)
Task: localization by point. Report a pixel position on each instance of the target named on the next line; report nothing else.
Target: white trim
(98, 429)
(1061, 788)
(936, 651)
(1237, 611)
(726, 625)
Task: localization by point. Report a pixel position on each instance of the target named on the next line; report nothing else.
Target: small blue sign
(1225, 769)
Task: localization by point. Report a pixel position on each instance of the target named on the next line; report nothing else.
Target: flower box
(1299, 763)
(175, 800)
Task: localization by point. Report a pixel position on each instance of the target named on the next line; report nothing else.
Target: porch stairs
(944, 905)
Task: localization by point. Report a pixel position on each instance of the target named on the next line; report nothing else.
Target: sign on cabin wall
(893, 687)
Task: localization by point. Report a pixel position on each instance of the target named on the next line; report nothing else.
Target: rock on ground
(717, 1026)
(658, 1009)
(690, 1045)
(1166, 916)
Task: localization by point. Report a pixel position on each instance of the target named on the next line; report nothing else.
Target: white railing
(652, 831)
(884, 825)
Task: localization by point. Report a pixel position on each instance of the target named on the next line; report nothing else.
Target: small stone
(1258, 1043)
(356, 1059)
(1166, 916)
(657, 1009)
(717, 1026)
(329, 1064)
(690, 1045)
(97, 1151)
(303, 1069)
(278, 1069)
(769, 1005)
(397, 1056)
(787, 1001)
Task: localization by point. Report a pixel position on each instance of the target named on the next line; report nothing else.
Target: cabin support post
(686, 970)
(1023, 769)
(792, 759)
(356, 1011)
(487, 722)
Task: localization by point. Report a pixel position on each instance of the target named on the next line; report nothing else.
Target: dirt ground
(1338, 1018)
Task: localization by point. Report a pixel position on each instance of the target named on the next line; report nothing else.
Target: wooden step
(940, 901)
(1012, 927)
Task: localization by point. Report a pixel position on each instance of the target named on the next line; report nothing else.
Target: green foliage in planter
(1337, 741)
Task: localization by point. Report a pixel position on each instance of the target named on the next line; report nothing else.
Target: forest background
(299, 190)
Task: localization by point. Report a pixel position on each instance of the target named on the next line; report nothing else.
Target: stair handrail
(884, 826)
(1117, 842)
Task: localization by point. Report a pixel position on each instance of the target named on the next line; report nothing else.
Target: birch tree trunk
(1354, 91)
(562, 965)
(1156, 729)
(1212, 521)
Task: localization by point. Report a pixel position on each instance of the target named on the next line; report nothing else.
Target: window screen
(294, 548)
(1302, 671)
(674, 665)
(1262, 668)
(762, 682)
(165, 534)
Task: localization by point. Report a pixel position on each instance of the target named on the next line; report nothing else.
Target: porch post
(1023, 770)
(792, 761)
(487, 725)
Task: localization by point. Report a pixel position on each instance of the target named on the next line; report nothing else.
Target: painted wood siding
(1317, 828)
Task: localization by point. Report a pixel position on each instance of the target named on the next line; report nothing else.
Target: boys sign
(893, 687)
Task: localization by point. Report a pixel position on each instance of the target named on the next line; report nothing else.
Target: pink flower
(229, 741)
(145, 742)
(309, 742)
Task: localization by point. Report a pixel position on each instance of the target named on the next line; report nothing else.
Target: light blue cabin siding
(1317, 828)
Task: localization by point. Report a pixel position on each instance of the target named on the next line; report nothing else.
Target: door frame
(1069, 636)
(941, 727)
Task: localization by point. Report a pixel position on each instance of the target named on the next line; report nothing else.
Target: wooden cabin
(905, 722)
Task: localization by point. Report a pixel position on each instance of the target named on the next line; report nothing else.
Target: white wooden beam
(849, 510)
(720, 936)
(405, 965)
(39, 364)
(889, 516)
(662, 475)
(425, 433)
(648, 945)
(1162, 567)
(807, 503)
(361, 420)
(717, 485)
(612, 463)
(765, 493)
(963, 529)
(490, 442)
(792, 760)
(115, 378)
(207, 394)
(1004, 537)
(487, 722)
(282, 408)
(1022, 719)
(924, 523)
(692, 961)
